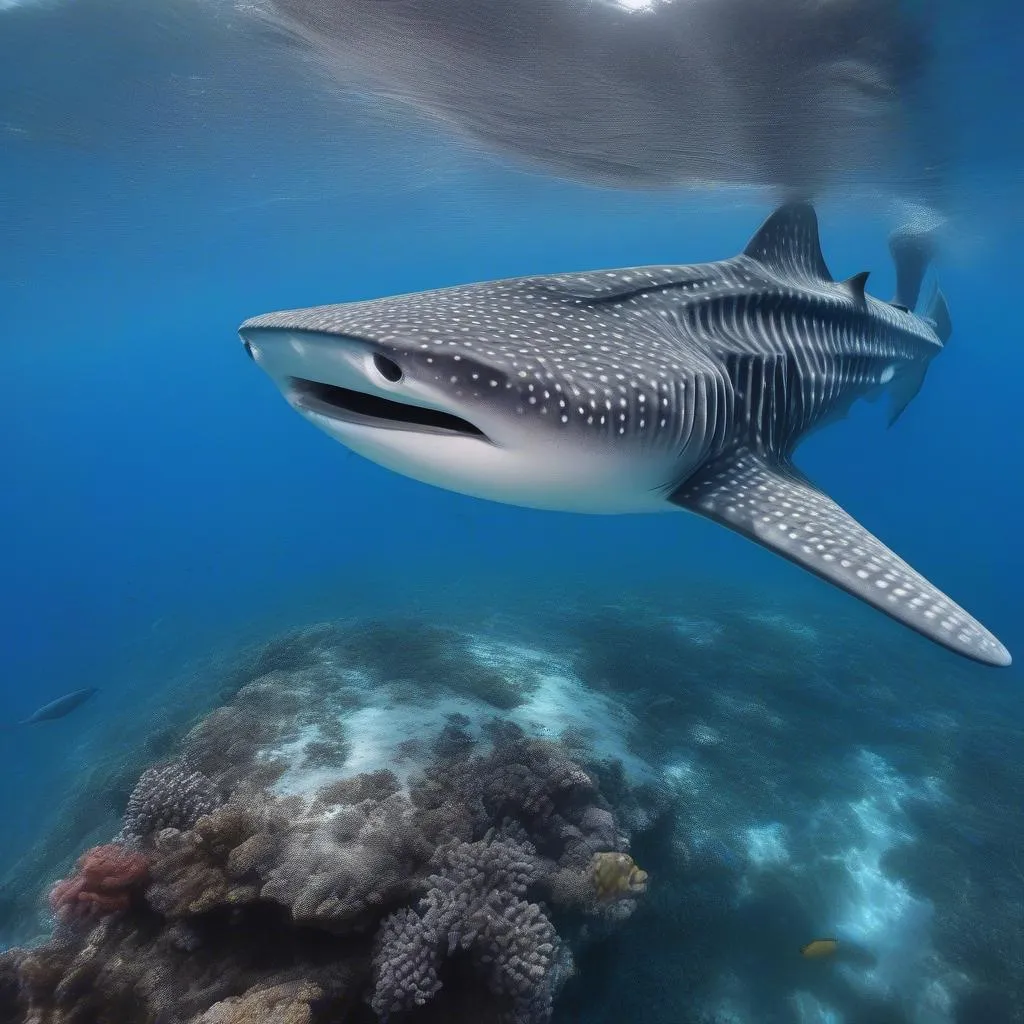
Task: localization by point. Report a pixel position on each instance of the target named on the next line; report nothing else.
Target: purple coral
(409, 956)
(476, 903)
(169, 796)
(532, 782)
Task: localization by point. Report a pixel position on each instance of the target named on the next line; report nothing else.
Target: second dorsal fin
(787, 243)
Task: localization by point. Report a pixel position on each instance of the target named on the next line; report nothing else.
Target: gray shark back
(768, 338)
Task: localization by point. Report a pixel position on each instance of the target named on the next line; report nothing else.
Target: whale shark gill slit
(358, 407)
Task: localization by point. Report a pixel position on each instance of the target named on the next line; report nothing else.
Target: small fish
(60, 707)
(819, 948)
(616, 875)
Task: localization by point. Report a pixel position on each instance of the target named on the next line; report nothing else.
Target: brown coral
(279, 1004)
(252, 969)
(215, 863)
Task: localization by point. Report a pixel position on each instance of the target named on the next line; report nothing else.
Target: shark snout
(349, 385)
(287, 355)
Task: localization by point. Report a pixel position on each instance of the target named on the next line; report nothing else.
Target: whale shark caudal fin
(912, 250)
(770, 502)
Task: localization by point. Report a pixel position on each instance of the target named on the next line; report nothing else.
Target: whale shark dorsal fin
(787, 243)
(855, 286)
(770, 502)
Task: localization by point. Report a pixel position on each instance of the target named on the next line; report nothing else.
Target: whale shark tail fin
(912, 248)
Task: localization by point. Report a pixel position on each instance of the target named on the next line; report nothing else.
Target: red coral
(107, 877)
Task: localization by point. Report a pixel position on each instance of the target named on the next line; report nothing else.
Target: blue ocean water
(162, 506)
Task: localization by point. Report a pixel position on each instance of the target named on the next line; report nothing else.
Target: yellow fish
(819, 948)
(616, 875)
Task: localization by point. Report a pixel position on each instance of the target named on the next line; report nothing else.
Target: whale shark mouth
(358, 407)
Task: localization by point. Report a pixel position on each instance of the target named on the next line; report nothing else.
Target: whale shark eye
(387, 368)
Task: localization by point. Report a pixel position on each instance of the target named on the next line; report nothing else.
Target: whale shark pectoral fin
(787, 243)
(772, 503)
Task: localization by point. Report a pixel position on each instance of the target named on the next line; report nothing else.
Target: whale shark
(644, 389)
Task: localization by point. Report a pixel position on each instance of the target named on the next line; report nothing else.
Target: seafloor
(638, 812)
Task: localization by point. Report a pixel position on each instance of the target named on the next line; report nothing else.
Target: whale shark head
(520, 391)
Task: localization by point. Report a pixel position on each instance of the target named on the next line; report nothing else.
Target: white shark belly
(552, 476)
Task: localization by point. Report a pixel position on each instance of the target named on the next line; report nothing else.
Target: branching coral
(107, 880)
(475, 903)
(169, 796)
(529, 781)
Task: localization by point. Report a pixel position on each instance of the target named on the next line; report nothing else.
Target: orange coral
(106, 879)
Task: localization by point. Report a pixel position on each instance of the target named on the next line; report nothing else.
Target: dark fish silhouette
(785, 93)
(60, 707)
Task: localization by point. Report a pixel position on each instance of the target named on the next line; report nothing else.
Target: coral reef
(133, 969)
(279, 1004)
(457, 895)
(354, 779)
(530, 781)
